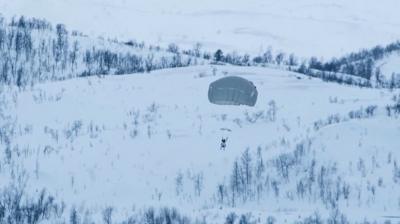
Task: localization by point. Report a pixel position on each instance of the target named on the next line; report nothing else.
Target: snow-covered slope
(114, 146)
(33, 51)
(305, 27)
(154, 140)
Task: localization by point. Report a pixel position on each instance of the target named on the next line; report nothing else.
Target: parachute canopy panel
(233, 90)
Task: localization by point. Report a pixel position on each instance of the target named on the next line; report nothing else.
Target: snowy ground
(124, 141)
(152, 140)
(305, 27)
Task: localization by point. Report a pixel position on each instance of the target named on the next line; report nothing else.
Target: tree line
(32, 50)
(344, 70)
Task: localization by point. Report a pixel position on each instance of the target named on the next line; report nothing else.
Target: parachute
(232, 90)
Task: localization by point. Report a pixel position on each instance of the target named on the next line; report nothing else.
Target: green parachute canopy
(233, 90)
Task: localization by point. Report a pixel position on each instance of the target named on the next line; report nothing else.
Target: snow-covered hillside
(306, 27)
(33, 50)
(131, 142)
(105, 114)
